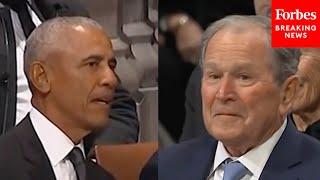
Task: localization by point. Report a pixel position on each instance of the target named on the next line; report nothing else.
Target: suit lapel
(37, 162)
(36, 10)
(96, 172)
(285, 156)
(201, 156)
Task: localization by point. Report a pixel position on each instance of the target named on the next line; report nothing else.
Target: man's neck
(74, 132)
(241, 147)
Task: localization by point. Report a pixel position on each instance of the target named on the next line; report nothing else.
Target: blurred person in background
(306, 109)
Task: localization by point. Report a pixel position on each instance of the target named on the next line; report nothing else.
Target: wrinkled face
(82, 77)
(240, 97)
(307, 103)
(263, 7)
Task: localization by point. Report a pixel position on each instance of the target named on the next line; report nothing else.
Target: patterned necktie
(77, 160)
(234, 171)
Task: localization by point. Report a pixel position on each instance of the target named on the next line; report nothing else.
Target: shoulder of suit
(96, 171)
(310, 145)
(11, 140)
(8, 139)
(10, 155)
(184, 148)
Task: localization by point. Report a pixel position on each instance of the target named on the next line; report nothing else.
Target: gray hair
(285, 60)
(46, 36)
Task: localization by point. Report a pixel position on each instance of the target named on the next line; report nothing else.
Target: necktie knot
(234, 170)
(77, 160)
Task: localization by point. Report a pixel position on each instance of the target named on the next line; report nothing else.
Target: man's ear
(38, 75)
(288, 93)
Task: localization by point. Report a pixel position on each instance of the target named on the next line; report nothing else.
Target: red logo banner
(296, 23)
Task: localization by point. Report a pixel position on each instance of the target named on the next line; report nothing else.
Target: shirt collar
(221, 155)
(56, 144)
(255, 159)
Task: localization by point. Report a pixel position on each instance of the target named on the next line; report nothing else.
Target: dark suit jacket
(193, 124)
(150, 170)
(295, 156)
(23, 157)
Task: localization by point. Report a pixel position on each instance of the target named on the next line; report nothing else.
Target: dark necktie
(77, 159)
(234, 170)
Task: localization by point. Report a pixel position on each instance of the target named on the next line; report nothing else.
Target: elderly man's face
(82, 77)
(307, 103)
(241, 100)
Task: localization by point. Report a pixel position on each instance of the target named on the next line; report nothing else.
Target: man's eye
(244, 77)
(112, 64)
(213, 76)
(93, 64)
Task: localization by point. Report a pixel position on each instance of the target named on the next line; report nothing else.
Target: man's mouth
(106, 100)
(225, 114)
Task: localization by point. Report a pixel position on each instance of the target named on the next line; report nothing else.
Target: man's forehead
(235, 65)
(233, 37)
(90, 41)
(83, 34)
(230, 45)
(241, 28)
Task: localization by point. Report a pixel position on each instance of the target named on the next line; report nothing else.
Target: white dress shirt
(56, 145)
(23, 92)
(254, 160)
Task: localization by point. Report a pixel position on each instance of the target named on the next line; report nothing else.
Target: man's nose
(109, 78)
(226, 89)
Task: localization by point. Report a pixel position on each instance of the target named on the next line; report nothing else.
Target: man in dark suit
(247, 89)
(69, 63)
(15, 26)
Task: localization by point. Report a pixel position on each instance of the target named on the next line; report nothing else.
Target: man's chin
(98, 125)
(225, 135)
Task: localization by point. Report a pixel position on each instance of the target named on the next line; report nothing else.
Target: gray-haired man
(69, 63)
(247, 91)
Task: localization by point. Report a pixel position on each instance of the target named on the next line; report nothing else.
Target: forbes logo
(281, 14)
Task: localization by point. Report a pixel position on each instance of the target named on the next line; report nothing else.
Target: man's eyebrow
(97, 57)
(237, 67)
(210, 65)
(244, 66)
